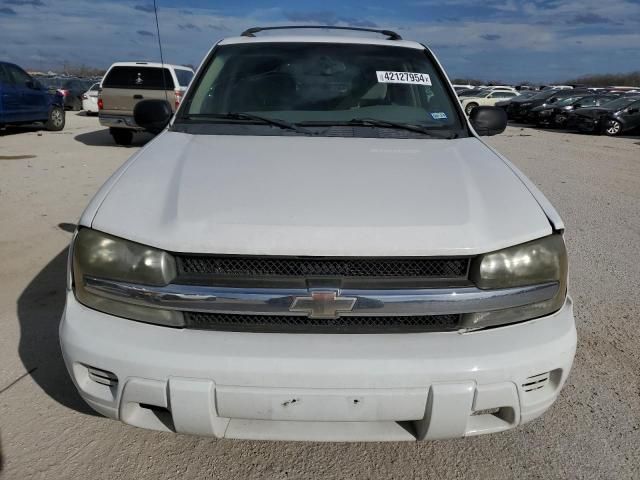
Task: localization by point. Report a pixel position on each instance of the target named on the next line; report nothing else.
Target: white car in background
(486, 98)
(502, 88)
(90, 99)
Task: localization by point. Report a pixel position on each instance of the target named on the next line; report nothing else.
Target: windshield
(620, 103)
(184, 77)
(525, 94)
(322, 84)
(544, 95)
(470, 93)
(568, 100)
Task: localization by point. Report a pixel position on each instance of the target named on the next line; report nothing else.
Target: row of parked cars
(611, 111)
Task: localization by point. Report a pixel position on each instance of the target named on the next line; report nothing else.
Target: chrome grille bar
(263, 301)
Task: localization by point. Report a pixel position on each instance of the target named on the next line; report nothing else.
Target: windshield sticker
(404, 77)
(439, 115)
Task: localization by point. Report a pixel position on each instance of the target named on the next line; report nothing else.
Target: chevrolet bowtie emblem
(323, 305)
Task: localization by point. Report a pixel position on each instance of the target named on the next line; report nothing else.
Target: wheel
(469, 108)
(56, 119)
(613, 128)
(121, 136)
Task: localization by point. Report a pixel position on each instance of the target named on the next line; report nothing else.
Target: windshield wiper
(374, 122)
(276, 122)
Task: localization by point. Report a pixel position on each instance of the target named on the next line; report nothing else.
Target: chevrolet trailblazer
(319, 246)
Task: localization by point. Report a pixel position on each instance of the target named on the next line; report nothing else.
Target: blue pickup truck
(24, 100)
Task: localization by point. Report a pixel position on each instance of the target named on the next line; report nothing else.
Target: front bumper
(321, 386)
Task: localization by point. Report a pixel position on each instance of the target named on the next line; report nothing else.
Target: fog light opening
(487, 411)
(102, 377)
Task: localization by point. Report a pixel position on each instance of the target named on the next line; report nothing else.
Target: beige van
(126, 83)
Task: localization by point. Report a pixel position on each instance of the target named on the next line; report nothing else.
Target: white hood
(277, 195)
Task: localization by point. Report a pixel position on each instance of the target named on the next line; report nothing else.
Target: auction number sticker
(404, 77)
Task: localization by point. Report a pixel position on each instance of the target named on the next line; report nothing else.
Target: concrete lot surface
(47, 432)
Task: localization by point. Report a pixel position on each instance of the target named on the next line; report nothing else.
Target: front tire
(613, 128)
(121, 136)
(469, 108)
(56, 119)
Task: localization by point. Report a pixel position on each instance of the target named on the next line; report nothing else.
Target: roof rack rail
(389, 33)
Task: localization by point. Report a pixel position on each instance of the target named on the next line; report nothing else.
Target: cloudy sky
(539, 40)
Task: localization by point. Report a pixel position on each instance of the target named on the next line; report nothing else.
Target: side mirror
(32, 84)
(488, 121)
(152, 115)
(633, 110)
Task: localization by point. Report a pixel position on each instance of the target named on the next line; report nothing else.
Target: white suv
(318, 246)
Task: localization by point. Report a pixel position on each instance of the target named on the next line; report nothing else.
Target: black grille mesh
(343, 267)
(302, 324)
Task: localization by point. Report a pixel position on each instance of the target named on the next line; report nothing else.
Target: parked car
(556, 87)
(71, 89)
(612, 118)
(90, 99)
(556, 114)
(523, 94)
(519, 107)
(470, 92)
(487, 97)
(521, 110)
(24, 100)
(126, 83)
(279, 263)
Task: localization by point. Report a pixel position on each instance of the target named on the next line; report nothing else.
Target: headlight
(101, 256)
(537, 262)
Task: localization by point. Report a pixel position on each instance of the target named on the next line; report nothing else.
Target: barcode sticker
(404, 77)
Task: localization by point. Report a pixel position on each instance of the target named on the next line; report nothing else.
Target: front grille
(254, 266)
(303, 324)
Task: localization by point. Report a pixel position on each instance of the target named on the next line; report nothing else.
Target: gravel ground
(46, 431)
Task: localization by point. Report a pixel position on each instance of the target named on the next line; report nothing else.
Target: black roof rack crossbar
(389, 33)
